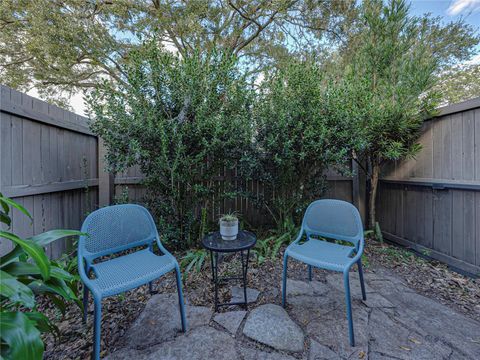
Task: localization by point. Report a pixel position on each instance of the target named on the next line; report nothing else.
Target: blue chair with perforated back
(334, 220)
(111, 230)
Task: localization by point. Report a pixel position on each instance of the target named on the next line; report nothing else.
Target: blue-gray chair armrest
(357, 256)
(84, 276)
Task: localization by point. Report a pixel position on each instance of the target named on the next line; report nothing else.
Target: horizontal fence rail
(437, 184)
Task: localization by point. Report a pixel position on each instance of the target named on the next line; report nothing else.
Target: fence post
(355, 185)
(105, 178)
(358, 190)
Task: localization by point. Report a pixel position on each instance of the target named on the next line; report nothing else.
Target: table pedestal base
(217, 280)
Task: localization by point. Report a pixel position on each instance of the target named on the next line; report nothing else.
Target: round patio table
(215, 244)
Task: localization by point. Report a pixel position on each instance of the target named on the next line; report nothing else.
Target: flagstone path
(393, 323)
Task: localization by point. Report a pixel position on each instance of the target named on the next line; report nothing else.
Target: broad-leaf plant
(26, 272)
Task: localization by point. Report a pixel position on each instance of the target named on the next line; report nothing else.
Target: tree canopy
(61, 47)
(459, 83)
(76, 44)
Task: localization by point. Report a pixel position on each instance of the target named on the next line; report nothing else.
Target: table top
(245, 240)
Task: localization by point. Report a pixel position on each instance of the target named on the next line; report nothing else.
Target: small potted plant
(229, 226)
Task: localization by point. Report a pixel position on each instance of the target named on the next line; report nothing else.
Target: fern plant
(269, 247)
(194, 259)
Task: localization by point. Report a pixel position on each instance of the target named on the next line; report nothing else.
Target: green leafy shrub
(182, 120)
(294, 141)
(24, 273)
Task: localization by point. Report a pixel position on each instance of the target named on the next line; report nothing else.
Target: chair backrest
(335, 219)
(115, 228)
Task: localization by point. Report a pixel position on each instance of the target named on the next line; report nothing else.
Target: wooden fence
(49, 164)
(432, 203)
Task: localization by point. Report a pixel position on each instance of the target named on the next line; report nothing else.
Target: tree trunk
(373, 195)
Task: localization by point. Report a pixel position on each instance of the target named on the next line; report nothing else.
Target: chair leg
(97, 328)
(310, 272)
(349, 308)
(284, 280)
(362, 283)
(180, 299)
(85, 303)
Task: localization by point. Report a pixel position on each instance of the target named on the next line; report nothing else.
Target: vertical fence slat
(458, 238)
(469, 221)
(468, 143)
(456, 125)
(5, 150)
(477, 145)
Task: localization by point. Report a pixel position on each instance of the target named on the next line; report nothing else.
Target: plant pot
(229, 229)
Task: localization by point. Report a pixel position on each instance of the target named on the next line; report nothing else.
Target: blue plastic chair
(332, 219)
(113, 229)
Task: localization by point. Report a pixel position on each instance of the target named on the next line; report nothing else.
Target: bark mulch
(429, 278)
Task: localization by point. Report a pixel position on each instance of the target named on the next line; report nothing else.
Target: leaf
(58, 302)
(21, 268)
(11, 256)
(200, 262)
(55, 286)
(42, 323)
(47, 237)
(5, 207)
(21, 336)
(187, 270)
(59, 273)
(4, 200)
(4, 218)
(26, 269)
(33, 250)
(16, 291)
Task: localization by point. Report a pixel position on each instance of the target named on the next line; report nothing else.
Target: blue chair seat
(322, 254)
(130, 271)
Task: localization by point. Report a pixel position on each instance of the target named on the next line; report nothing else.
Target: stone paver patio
(394, 323)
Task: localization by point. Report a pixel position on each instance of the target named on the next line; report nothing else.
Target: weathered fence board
(432, 202)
